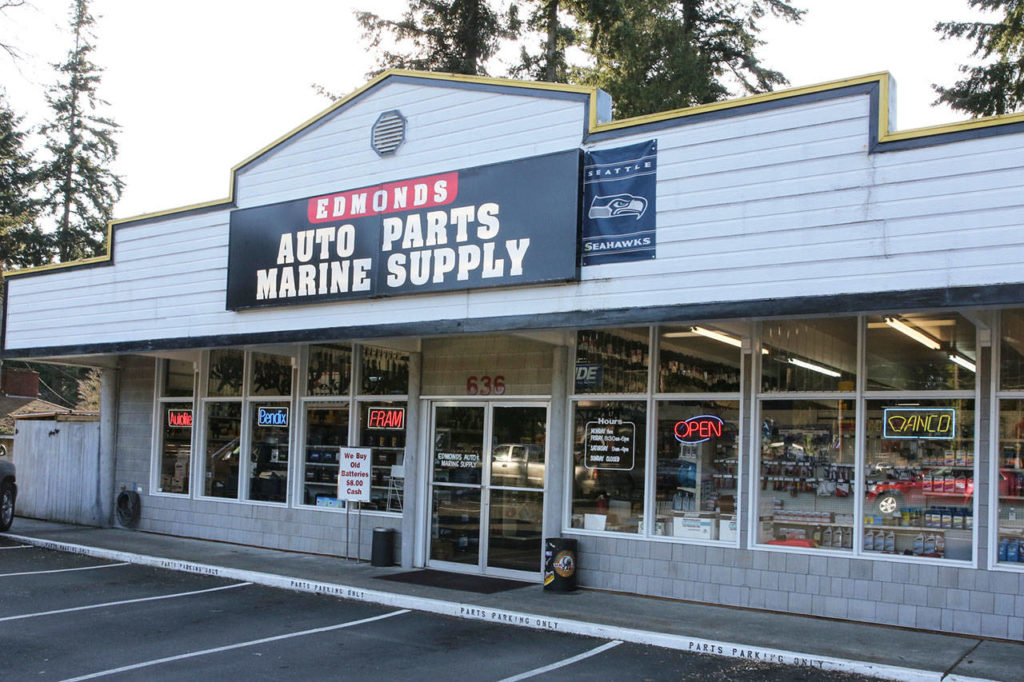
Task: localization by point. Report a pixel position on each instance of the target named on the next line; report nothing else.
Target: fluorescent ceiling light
(814, 368)
(717, 336)
(963, 362)
(918, 336)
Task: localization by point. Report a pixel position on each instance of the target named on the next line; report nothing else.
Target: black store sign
(506, 224)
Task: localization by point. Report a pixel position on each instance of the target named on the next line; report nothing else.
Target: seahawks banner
(618, 199)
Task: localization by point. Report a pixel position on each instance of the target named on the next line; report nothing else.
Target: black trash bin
(559, 565)
(382, 552)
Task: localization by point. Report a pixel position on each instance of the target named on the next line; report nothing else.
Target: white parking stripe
(229, 647)
(123, 602)
(16, 547)
(561, 664)
(63, 570)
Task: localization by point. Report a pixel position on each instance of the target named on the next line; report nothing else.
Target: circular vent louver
(388, 133)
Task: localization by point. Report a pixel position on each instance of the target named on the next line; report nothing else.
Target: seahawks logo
(617, 205)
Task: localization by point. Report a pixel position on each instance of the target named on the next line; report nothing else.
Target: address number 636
(485, 385)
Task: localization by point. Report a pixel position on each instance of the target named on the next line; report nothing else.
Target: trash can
(382, 552)
(559, 565)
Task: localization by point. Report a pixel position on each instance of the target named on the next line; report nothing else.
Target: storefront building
(767, 353)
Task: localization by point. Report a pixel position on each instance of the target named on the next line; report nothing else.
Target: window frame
(159, 400)
(861, 396)
(997, 396)
(353, 398)
(247, 403)
(651, 398)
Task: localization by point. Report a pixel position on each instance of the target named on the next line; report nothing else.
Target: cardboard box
(694, 528)
(728, 529)
(594, 521)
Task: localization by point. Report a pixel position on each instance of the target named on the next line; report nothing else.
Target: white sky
(199, 85)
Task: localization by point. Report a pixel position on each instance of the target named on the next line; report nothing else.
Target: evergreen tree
(12, 52)
(22, 243)
(997, 87)
(454, 36)
(81, 190)
(551, 20)
(655, 55)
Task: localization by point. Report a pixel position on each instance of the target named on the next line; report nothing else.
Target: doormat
(456, 581)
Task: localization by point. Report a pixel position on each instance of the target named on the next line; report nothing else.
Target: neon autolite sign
(698, 429)
(179, 419)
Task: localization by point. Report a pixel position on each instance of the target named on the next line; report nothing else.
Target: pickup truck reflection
(517, 465)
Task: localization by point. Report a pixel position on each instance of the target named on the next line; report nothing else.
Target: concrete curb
(516, 618)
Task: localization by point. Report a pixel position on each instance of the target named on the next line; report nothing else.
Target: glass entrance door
(487, 486)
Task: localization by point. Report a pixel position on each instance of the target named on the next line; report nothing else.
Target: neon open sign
(934, 423)
(181, 419)
(698, 429)
(392, 418)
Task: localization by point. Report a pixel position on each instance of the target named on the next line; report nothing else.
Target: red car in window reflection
(953, 485)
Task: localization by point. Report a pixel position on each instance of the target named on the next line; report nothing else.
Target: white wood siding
(766, 205)
(447, 129)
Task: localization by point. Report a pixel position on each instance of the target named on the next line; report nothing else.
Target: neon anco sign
(698, 429)
(935, 423)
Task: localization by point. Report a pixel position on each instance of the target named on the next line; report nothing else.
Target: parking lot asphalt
(115, 565)
(70, 616)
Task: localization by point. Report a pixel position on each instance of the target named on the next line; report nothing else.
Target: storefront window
(807, 474)
(382, 429)
(609, 456)
(809, 355)
(697, 469)
(919, 490)
(329, 370)
(920, 352)
(270, 426)
(1011, 351)
(1010, 482)
(384, 371)
(179, 378)
(326, 434)
(235, 405)
(612, 360)
(1009, 468)
(698, 360)
(223, 447)
(175, 424)
(227, 373)
(271, 375)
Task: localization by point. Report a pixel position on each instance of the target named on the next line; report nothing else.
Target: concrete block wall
(258, 525)
(948, 599)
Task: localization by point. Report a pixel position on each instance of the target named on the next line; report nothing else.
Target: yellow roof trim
(883, 134)
(882, 78)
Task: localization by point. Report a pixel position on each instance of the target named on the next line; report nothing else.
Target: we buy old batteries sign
(508, 224)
